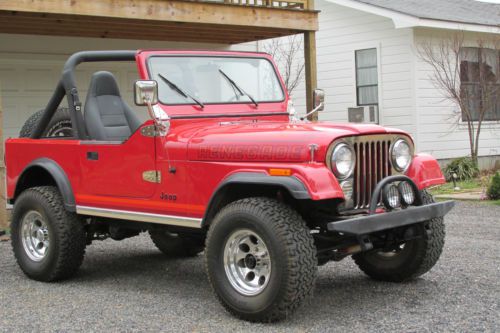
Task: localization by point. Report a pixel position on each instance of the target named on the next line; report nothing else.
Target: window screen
(366, 77)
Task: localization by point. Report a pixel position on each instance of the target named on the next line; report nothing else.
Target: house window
(480, 82)
(366, 77)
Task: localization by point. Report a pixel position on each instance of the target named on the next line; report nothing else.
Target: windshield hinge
(149, 131)
(152, 176)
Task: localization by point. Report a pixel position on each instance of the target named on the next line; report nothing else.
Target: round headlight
(406, 193)
(401, 155)
(343, 160)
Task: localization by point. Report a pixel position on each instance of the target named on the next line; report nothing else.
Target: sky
(492, 1)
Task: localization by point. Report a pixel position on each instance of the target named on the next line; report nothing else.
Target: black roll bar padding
(378, 189)
(67, 86)
(50, 109)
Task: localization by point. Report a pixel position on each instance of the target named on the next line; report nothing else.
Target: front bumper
(368, 224)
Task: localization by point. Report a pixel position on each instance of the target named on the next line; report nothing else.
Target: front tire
(47, 240)
(413, 259)
(260, 259)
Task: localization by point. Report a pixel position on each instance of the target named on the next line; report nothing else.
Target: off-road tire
(60, 120)
(291, 248)
(66, 231)
(423, 254)
(174, 245)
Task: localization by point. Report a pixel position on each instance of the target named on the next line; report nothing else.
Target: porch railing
(284, 4)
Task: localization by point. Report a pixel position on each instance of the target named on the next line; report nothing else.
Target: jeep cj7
(224, 165)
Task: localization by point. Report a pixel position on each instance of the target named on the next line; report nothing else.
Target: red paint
(425, 171)
(203, 152)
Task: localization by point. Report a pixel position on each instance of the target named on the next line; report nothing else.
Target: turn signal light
(280, 172)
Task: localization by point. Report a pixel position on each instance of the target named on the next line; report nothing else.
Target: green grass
(494, 202)
(465, 186)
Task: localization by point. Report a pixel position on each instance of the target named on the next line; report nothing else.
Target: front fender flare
(295, 186)
(59, 177)
(425, 171)
(291, 183)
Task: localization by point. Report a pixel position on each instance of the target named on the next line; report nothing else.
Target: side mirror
(146, 91)
(318, 100)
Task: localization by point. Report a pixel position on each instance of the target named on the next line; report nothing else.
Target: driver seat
(107, 117)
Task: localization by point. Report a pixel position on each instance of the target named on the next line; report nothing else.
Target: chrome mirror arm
(161, 124)
(316, 109)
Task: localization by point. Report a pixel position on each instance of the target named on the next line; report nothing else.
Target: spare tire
(59, 125)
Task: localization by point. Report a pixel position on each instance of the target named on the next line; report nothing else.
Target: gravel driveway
(130, 286)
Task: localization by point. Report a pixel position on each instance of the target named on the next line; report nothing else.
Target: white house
(383, 34)
(367, 55)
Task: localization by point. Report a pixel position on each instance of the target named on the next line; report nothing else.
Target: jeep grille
(372, 165)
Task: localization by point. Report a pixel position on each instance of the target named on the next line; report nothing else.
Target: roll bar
(67, 87)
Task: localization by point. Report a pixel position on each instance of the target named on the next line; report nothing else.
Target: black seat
(107, 116)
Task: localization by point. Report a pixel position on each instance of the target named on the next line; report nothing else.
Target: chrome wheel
(247, 262)
(35, 235)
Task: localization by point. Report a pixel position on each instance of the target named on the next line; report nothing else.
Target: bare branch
(472, 85)
(287, 54)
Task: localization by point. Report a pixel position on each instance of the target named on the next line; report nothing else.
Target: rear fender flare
(59, 176)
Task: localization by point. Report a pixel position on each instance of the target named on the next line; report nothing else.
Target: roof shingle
(463, 11)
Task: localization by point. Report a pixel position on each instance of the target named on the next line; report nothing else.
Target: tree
(287, 52)
(468, 77)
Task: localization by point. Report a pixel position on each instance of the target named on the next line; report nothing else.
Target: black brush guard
(376, 222)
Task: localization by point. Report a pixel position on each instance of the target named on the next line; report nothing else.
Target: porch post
(3, 193)
(310, 66)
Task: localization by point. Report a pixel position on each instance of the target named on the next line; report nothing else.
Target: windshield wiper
(240, 90)
(180, 91)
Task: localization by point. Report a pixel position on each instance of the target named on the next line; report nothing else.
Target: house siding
(408, 99)
(342, 32)
(439, 132)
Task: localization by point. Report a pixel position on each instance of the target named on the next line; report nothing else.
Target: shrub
(464, 167)
(494, 189)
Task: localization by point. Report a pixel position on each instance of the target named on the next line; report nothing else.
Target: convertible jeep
(222, 165)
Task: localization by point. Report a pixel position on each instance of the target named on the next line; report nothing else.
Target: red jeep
(224, 166)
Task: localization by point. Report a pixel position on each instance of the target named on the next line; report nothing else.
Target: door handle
(92, 155)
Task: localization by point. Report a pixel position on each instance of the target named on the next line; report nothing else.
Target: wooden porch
(204, 21)
(225, 21)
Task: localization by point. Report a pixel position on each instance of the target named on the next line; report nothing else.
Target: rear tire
(59, 125)
(416, 258)
(260, 259)
(174, 245)
(47, 240)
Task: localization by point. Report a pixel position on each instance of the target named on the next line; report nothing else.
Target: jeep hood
(272, 141)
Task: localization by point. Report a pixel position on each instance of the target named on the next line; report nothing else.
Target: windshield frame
(278, 77)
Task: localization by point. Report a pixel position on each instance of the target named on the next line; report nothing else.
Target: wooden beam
(174, 11)
(100, 31)
(135, 23)
(61, 26)
(64, 26)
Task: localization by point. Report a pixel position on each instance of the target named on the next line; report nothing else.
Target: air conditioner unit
(363, 114)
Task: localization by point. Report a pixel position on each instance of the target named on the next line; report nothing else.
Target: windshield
(203, 78)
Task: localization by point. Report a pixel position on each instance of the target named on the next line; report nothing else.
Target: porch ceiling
(164, 20)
